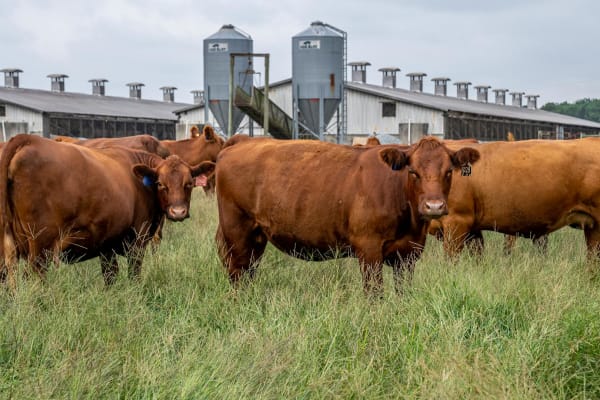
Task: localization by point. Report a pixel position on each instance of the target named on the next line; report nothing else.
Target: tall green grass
(524, 326)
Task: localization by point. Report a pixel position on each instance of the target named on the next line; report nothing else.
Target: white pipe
(409, 133)
(3, 131)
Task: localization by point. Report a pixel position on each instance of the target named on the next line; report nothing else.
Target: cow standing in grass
(65, 201)
(317, 201)
(527, 188)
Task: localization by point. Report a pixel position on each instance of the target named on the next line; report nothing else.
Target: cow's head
(173, 180)
(429, 164)
(211, 144)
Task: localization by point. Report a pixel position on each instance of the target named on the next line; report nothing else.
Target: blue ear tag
(147, 181)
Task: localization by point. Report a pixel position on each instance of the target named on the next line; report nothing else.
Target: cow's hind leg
(110, 267)
(135, 257)
(541, 243)
(240, 249)
(37, 259)
(475, 242)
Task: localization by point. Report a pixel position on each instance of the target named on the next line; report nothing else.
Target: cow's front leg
(402, 260)
(371, 265)
(372, 277)
(456, 234)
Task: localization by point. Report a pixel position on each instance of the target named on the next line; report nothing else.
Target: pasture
(524, 326)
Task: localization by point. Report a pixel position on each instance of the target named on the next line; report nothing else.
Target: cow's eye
(189, 185)
(161, 186)
(449, 173)
(413, 173)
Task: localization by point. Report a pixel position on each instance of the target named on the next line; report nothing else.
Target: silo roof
(318, 28)
(229, 32)
(88, 104)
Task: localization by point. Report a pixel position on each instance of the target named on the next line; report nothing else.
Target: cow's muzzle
(434, 209)
(177, 213)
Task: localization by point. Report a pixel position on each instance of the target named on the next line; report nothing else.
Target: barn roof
(79, 103)
(448, 103)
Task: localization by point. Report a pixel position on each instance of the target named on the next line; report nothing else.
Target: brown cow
(198, 149)
(69, 201)
(318, 200)
(528, 188)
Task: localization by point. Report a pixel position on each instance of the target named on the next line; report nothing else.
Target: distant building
(58, 112)
(410, 114)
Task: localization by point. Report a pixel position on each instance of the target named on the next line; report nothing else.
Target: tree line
(585, 108)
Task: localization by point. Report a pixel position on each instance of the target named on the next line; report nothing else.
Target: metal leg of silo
(321, 116)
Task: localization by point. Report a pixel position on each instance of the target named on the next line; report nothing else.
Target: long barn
(408, 114)
(58, 112)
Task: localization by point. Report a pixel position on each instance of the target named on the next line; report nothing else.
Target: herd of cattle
(71, 200)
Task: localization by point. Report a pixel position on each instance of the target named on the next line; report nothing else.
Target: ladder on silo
(344, 103)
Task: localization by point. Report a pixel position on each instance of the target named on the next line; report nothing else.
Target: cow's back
(143, 142)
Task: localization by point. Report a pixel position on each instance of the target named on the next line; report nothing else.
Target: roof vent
(441, 86)
(517, 98)
(168, 93)
(482, 93)
(198, 96)
(98, 86)
(57, 82)
(11, 77)
(135, 90)
(532, 101)
(388, 75)
(416, 81)
(500, 96)
(462, 90)
(359, 71)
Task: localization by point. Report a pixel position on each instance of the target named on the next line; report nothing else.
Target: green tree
(585, 108)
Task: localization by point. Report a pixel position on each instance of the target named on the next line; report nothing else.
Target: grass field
(525, 326)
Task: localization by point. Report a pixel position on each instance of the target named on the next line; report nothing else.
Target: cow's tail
(8, 246)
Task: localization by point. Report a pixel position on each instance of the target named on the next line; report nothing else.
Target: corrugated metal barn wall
(33, 119)
(365, 116)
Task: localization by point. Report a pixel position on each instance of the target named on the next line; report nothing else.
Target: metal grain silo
(318, 66)
(217, 50)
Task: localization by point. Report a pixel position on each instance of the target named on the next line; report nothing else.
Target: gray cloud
(541, 47)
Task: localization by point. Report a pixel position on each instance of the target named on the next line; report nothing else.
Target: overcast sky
(545, 47)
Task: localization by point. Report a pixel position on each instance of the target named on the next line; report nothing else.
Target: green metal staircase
(280, 124)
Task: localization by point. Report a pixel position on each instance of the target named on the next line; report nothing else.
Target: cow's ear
(147, 175)
(465, 156)
(204, 168)
(209, 133)
(395, 158)
(194, 132)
